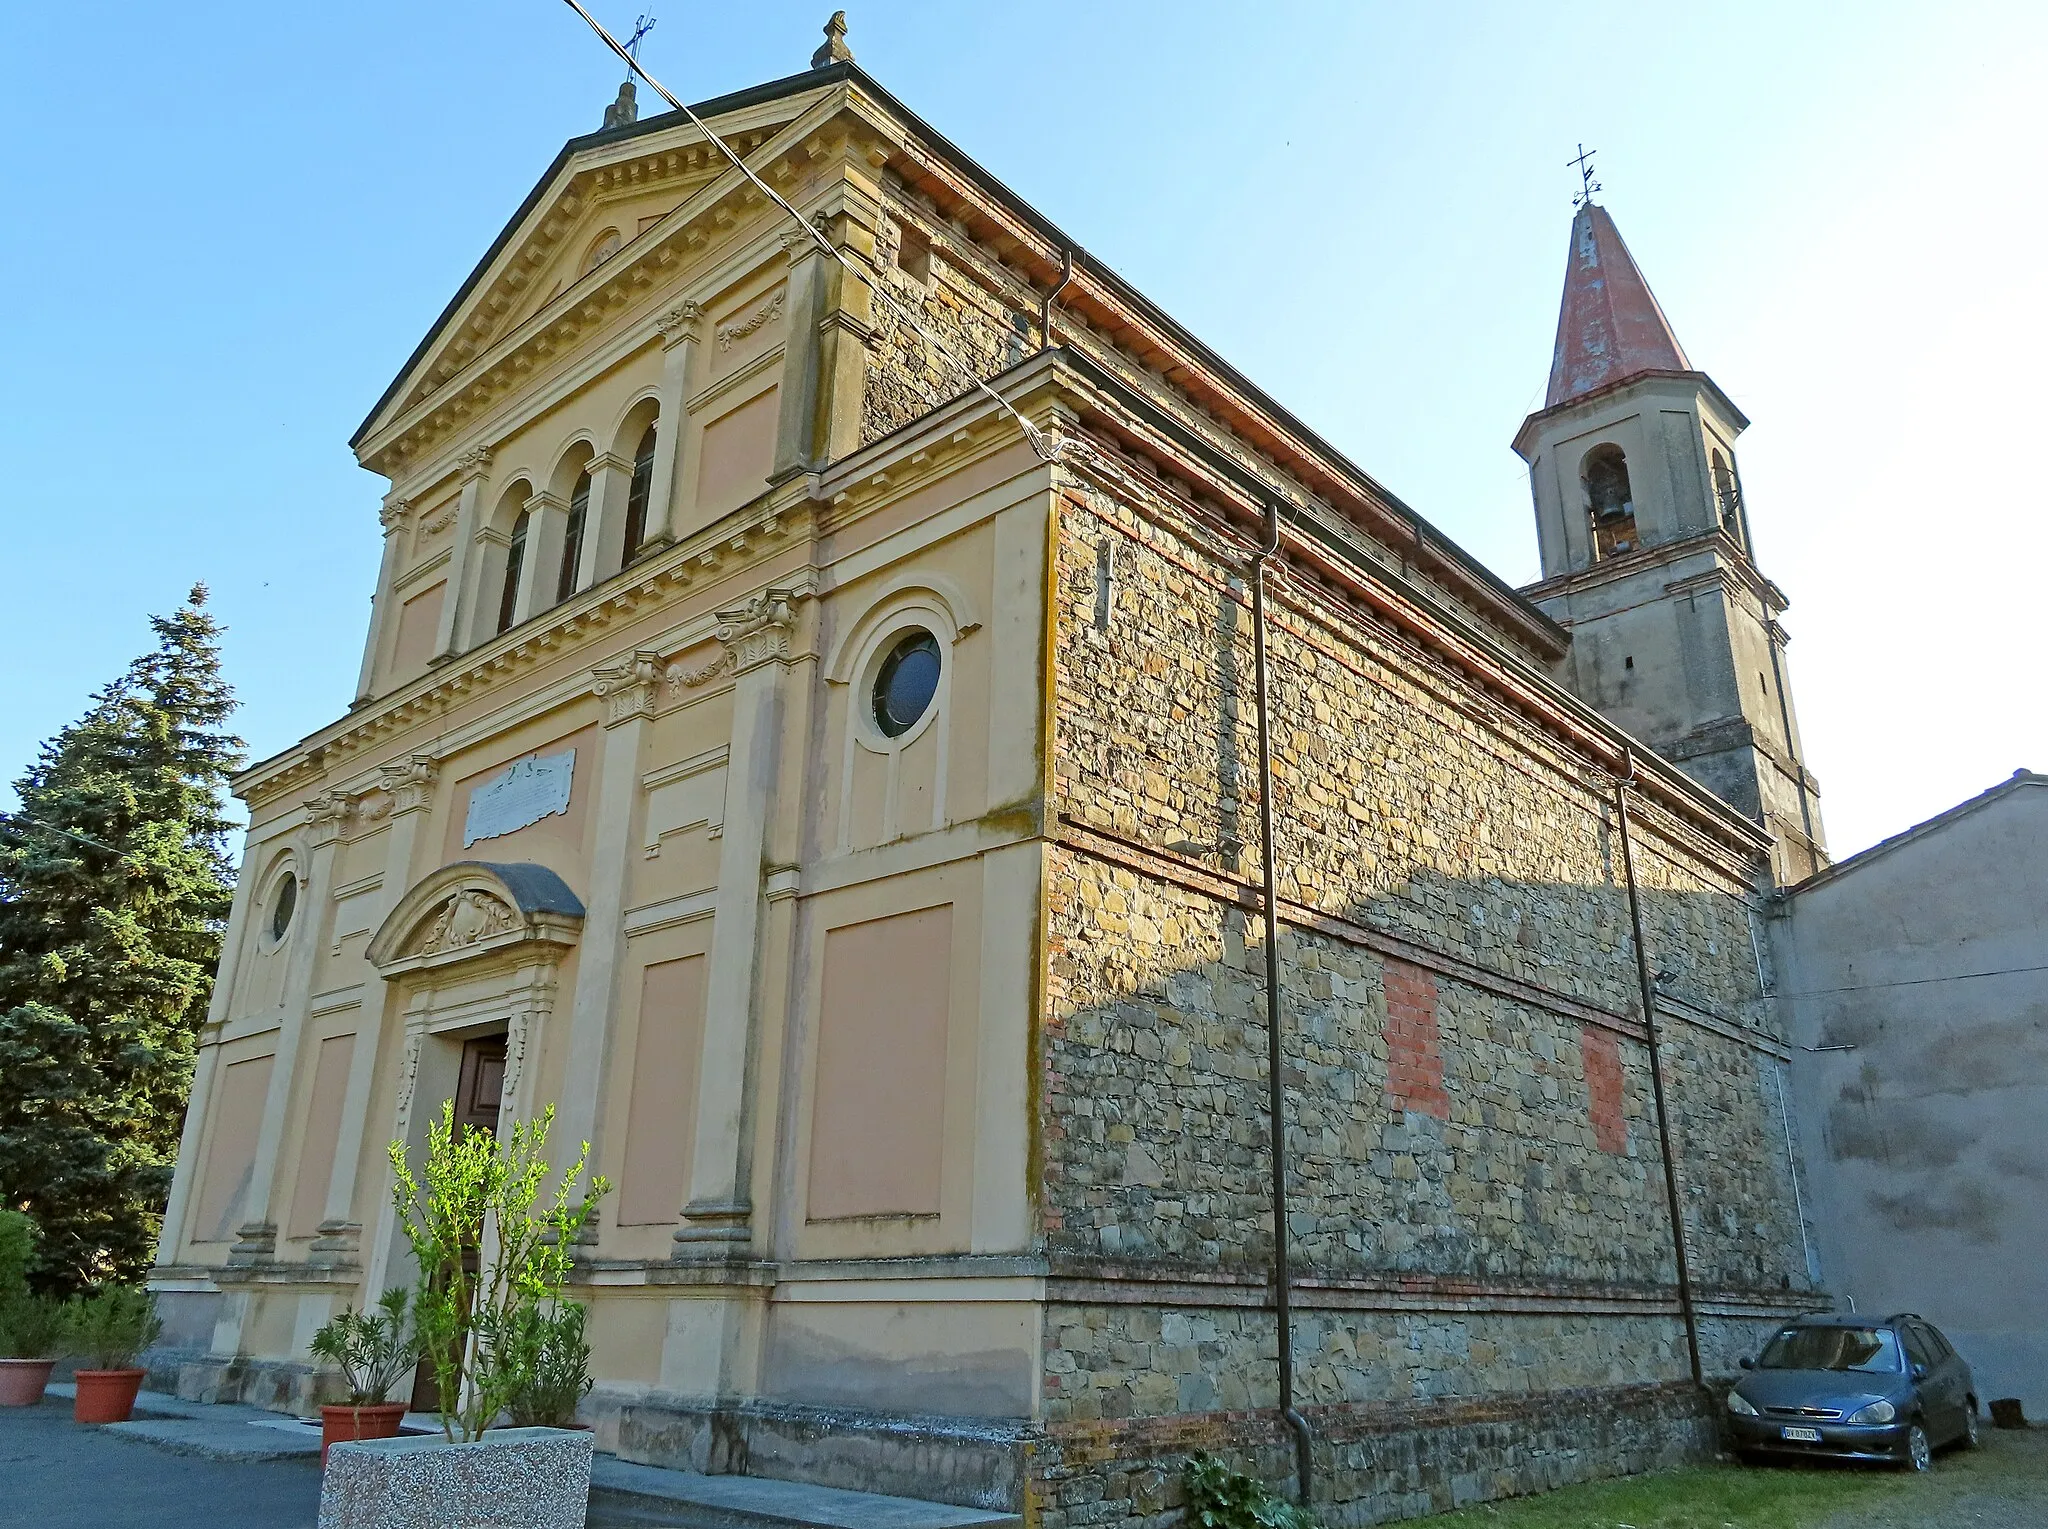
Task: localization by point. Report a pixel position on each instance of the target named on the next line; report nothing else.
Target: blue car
(1853, 1388)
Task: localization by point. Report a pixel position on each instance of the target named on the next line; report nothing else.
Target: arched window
(1610, 505)
(1727, 497)
(572, 537)
(639, 491)
(515, 557)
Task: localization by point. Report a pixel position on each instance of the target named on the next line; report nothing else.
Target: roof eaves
(737, 100)
(1918, 831)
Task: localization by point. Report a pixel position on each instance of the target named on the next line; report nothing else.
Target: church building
(809, 734)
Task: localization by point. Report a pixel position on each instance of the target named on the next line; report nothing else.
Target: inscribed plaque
(529, 789)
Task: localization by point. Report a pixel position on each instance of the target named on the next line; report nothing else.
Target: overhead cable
(1047, 450)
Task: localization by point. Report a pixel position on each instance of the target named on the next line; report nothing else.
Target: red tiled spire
(1609, 326)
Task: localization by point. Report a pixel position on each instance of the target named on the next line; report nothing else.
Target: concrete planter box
(514, 1478)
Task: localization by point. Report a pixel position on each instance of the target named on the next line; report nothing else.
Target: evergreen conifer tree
(114, 889)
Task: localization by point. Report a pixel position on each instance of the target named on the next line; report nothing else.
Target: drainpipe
(1045, 303)
(1649, 991)
(1282, 1276)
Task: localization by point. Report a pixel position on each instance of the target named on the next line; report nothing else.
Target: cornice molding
(478, 360)
(763, 529)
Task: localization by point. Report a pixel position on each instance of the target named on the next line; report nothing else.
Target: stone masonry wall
(1476, 1202)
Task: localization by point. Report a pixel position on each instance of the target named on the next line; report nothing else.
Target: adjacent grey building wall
(1926, 1136)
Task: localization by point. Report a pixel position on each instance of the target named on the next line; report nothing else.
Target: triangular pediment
(607, 206)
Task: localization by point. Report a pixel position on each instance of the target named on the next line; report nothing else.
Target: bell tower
(1647, 555)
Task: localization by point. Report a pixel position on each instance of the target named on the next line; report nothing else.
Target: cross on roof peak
(1587, 185)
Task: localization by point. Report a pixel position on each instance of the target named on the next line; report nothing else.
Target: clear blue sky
(228, 225)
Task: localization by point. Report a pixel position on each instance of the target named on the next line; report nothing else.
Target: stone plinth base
(517, 1478)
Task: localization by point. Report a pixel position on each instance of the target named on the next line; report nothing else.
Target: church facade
(835, 788)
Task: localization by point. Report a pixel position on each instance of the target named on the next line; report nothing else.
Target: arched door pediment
(475, 909)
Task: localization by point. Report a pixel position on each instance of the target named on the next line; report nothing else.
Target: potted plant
(31, 1332)
(31, 1326)
(111, 1327)
(552, 1361)
(373, 1350)
(489, 1318)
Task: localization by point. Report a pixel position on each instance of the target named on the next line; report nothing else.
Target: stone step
(622, 1493)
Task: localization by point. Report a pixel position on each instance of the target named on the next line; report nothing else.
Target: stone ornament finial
(625, 111)
(834, 50)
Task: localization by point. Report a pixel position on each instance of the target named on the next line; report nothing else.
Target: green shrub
(373, 1350)
(475, 1194)
(17, 1252)
(31, 1326)
(1221, 1498)
(112, 1326)
(549, 1359)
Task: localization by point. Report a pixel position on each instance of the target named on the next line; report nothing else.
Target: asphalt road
(55, 1474)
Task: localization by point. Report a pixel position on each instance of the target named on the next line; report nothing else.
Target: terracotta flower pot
(342, 1425)
(105, 1396)
(22, 1381)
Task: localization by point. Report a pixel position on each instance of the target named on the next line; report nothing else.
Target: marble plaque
(525, 792)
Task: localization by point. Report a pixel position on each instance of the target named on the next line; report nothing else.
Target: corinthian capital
(627, 687)
(475, 462)
(685, 321)
(759, 630)
(407, 781)
(327, 815)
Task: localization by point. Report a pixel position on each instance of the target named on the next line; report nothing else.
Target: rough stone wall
(906, 376)
(1376, 1464)
(1476, 1198)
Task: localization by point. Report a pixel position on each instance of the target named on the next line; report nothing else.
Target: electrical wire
(1047, 450)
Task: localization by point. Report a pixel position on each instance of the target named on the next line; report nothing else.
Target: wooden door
(478, 1090)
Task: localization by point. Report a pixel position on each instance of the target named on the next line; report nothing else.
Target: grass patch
(1702, 1497)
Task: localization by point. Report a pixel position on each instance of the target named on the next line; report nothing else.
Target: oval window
(283, 905)
(906, 683)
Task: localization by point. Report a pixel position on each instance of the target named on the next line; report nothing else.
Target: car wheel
(1970, 1438)
(1919, 1452)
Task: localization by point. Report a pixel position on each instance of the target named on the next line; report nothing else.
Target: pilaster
(682, 328)
(464, 558)
(326, 818)
(627, 691)
(393, 515)
(207, 1064)
(409, 784)
(845, 325)
(717, 1218)
(604, 527)
(797, 421)
(547, 524)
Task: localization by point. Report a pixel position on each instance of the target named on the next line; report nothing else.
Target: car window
(1916, 1346)
(1943, 1349)
(1872, 1350)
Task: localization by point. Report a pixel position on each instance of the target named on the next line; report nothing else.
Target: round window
(283, 905)
(906, 683)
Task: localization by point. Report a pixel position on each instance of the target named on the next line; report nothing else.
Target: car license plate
(1801, 1435)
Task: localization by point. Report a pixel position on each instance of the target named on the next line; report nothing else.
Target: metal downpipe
(1283, 1307)
(1649, 992)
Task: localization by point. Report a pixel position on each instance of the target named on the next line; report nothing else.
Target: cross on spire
(641, 27)
(1587, 184)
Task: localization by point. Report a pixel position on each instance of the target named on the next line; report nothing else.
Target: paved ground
(55, 1474)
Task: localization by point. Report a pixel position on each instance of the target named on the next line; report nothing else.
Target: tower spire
(1609, 326)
